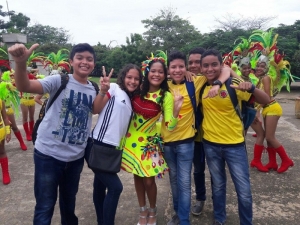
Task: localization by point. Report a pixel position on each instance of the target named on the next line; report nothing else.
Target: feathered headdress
(160, 56)
(279, 69)
(58, 61)
(35, 57)
(5, 62)
(282, 70)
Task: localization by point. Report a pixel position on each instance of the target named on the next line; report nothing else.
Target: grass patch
(96, 79)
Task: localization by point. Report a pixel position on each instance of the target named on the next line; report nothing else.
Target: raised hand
(243, 86)
(178, 99)
(105, 80)
(20, 53)
(189, 76)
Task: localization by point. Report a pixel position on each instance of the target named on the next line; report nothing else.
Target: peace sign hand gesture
(105, 80)
(178, 101)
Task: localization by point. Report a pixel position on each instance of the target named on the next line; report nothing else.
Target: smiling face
(177, 70)
(211, 67)
(156, 75)
(261, 69)
(246, 70)
(83, 64)
(194, 63)
(132, 80)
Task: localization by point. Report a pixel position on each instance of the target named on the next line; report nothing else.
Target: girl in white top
(114, 107)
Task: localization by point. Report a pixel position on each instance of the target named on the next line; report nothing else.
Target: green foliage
(167, 31)
(46, 34)
(289, 44)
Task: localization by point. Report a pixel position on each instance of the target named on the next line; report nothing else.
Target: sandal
(152, 210)
(143, 209)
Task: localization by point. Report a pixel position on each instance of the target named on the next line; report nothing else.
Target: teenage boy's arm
(20, 54)
(225, 74)
(260, 96)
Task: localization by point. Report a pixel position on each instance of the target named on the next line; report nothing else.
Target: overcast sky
(94, 21)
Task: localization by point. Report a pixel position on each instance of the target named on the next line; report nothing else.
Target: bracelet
(102, 94)
(7, 129)
(251, 89)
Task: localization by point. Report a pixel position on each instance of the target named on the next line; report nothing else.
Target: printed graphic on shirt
(223, 93)
(73, 119)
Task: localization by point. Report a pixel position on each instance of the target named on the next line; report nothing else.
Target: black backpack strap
(201, 91)
(64, 82)
(191, 91)
(95, 86)
(233, 97)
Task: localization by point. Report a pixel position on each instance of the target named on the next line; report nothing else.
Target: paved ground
(276, 197)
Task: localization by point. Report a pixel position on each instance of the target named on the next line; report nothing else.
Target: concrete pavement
(276, 197)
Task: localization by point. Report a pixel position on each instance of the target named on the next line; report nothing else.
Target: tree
(289, 43)
(167, 31)
(3, 23)
(230, 23)
(222, 40)
(17, 23)
(46, 34)
(134, 48)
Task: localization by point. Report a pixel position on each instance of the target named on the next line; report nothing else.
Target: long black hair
(146, 84)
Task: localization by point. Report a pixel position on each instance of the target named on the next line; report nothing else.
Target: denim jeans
(237, 162)
(106, 203)
(50, 174)
(199, 171)
(179, 159)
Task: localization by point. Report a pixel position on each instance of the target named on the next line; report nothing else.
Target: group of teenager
(155, 118)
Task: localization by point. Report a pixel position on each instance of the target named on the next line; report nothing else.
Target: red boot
(286, 162)
(20, 138)
(272, 159)
(31, 125)
(27, 131)
(5, 173)
(256, 162)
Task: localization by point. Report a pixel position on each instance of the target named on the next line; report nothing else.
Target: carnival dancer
(10, 96)
(143, 151)
(28, 108)
(4, 136)
(273, 72)
(271, 113)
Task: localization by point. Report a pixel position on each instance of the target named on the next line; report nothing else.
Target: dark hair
(197, 50)
(82, 48)
(213, 52)
(122, 75)
(146, 84)
(176, 55)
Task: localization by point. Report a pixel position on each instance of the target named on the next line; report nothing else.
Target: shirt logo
(223, 94)
(123, 101)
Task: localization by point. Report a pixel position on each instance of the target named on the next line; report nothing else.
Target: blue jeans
(179, 159)
(237, 162)
(50, 174)
(106, 203)
(199, 171)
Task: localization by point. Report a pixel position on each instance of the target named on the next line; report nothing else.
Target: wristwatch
(217, 82)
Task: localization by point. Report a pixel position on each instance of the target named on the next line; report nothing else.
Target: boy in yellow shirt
(224, 141)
